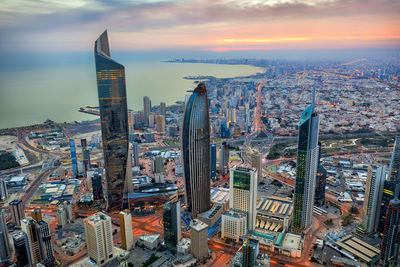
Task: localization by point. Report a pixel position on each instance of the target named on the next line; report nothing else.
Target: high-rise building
(125, 221)
(373, 197)
(224, 158)
(45, 243)
(243, 192)
(32, 233)
(160, 123)
(99, 239)
(199, 239)
(234, 224)
(158, 164)
(64, 213)
(114, 121)
(172, 224)
(17, 211)
(391, 234)
(389, 186)
(307, 165)
(136, 153)
(97, 186)
(4, 240)
(73, 157)
(3, 190)
(250, 252)
(163, 110)
(320, 181)
(196, 151)
(147, 109)
(213, 160)
(256, 162)
(21, 248)
(36, 215)
(85, 155)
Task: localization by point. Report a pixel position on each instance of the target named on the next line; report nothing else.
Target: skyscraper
(373, 197)
(391, 234)
(3, 190)
(17, 211)
(196, 151)
(136, 153)
(99, 239)
(114, 121)
(163, 109)
(36, 215)
(213, 160)
(160, 123)
(97, 186)
(250, 252)
(125, 221)
(172, 224)
(158, 164)
(73, 157)
(224, 158)
(243, 192)
(21, 248)
(147, 109)
(389, 185)
(4, 240)
(45, 243)
(85, 155)
(256, 162)
(32, 233)
(307, 164)
(320, 182)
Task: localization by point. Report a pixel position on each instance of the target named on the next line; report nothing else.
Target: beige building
(234, 225)
(99, 239)
(160, 123)
(125, 220)
(199, 239)
(211, 216)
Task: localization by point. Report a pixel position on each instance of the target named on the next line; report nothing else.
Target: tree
(354, 210)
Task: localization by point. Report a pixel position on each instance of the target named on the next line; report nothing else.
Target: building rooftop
(211, 212)
(291, 241)
(149, 238)
(235, 213)
(97, 217)
(198, 225)
(359, 248)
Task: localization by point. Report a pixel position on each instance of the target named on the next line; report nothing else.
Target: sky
(206, 25)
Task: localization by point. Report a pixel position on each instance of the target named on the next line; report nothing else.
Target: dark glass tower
(114, 121)
(21, 248)
(320, 182)
(97, 187)
(196, 151)
(172, 224)
(307, 165)
(250, 252)
(4, 241)
(73, 157)
(213, 160)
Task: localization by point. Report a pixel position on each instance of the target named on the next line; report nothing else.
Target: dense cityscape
(295, 166)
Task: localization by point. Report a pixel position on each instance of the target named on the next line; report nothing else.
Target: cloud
(74, 24)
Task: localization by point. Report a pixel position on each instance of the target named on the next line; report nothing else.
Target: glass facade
(196, 151)
(172, 219)
(97, 187)
(213, 160)
(73, 157)
(114, 121)
(241, 180)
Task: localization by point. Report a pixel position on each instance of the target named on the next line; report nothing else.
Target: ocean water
(37, 89)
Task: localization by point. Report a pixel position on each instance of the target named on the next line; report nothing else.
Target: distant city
(298, 165)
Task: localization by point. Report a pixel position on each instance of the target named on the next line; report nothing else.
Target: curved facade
(114, 121)
(196, 151)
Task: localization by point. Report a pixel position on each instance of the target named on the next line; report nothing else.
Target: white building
(99, 239)
(243, 192)
(125, 219)
(234, 225)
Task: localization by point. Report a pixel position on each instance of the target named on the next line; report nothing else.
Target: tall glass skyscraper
(196, 151)
(73, 157)
(114, 121)
(307, 165)
(213, 160)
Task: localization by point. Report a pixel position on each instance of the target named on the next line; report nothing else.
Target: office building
(234, 225)
(199, 239)
(3, 190)
(320, 181)
(17, 211)
(147, 109)
(196, 151)
(32, 233)
(85, 155)
(4, 240)
(172, 224)
(73, 157)
(36, 214)
(99, 239)
(250, 252)
(21, 248)
(160, 123)
(393, 178)
(64, 213)
(158, 164)
(45, 243)
(136, 153)
(373, 197)
(391, 234)
(163, 110)
(224, 130)
(114, 121)
(125, 221)
(97, 186)
(224, 158)
(307, 166)
(243, 192)
(256, 162)
(213, 160)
